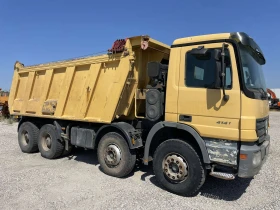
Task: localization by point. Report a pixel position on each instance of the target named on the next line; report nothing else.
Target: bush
(9, 120)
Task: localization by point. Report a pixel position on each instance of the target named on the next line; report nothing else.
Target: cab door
(202, 106)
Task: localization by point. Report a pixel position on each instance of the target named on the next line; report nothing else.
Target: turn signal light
(243, 156)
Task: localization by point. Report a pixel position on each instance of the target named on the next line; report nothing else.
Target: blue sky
(34, 31)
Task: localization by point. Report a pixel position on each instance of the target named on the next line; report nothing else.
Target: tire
(186, 175)
(28, 137)
(55, 148)
(115, 143)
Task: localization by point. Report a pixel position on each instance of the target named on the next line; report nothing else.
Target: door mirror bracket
(223, 74)
(219, 56)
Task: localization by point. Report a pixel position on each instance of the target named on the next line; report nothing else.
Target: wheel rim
(175, 167)
(24, 138)
(112, 155)
(46, 142)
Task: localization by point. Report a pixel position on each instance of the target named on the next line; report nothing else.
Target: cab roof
(201, 38)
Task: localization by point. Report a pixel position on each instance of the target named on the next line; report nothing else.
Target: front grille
(260, 129)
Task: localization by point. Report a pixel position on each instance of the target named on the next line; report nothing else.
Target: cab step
(222, 175)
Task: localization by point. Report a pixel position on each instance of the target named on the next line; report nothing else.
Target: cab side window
(201, 72)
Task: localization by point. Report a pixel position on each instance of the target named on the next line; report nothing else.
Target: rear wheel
(178, 167)
(49, 146)
(28, 137)
(114, 155)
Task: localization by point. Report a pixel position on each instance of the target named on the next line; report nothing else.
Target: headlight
(266, 127)
(257, 158)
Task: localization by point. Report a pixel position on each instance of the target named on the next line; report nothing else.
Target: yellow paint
(200, 38)
(251, 110)
(171, 117)
(172, 82)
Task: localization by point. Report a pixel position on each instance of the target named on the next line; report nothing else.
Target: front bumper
(256, 157)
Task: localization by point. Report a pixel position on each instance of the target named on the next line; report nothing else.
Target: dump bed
(95, 89)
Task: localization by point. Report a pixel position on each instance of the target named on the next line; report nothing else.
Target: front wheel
(178, 167)
(115, 157)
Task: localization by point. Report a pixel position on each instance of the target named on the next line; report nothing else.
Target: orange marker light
(243, 156)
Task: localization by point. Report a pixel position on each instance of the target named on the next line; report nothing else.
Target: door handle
(185, 118)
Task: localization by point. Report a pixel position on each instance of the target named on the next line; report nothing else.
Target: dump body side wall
(93, 89)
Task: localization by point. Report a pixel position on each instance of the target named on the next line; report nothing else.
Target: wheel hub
(175, 167)
(112, 155)
(25, 138)
(48, 142)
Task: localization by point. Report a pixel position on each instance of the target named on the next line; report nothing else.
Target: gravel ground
(28, 181)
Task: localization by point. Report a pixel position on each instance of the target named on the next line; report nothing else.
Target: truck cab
(216, 89)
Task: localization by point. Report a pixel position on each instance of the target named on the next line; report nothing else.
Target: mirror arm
(226, 97)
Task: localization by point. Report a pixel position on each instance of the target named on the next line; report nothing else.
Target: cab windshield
(252, 70)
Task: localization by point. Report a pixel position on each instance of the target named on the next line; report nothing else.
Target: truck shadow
(224, 190)
(213, 188)
(86, 156)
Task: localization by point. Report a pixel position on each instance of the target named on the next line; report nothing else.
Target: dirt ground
(28, 181)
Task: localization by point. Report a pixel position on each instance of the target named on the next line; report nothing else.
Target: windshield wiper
(263, 93)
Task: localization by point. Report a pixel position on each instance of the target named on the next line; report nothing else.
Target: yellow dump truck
(194, 108)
